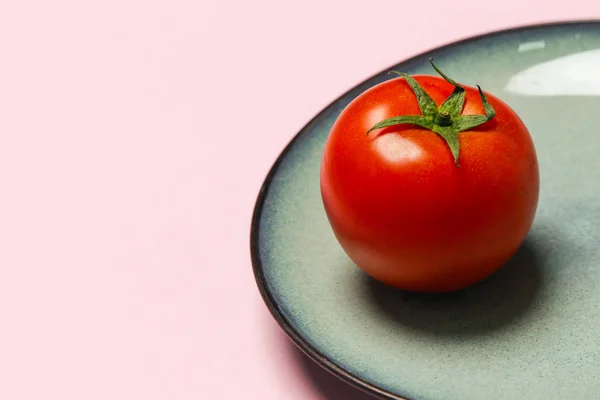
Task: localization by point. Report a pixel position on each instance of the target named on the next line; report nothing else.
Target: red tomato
(409, 211)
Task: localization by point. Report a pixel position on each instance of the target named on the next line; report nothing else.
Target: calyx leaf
(445, 120)
(426, 103)
(418, 120)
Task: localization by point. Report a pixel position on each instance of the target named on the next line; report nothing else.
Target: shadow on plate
(329, 386)
(495, 302)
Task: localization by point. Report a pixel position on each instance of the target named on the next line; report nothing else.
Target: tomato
(438, 198)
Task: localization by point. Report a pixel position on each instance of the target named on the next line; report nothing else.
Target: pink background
(134, 136)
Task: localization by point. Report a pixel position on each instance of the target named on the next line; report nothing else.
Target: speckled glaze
(532, 330)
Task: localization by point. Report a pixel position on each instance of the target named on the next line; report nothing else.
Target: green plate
(530, 331)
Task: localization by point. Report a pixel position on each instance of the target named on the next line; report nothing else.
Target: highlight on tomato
(429, 185)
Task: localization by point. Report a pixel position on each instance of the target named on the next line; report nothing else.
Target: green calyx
(445, 120)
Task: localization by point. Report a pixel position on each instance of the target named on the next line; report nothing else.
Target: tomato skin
(405, 213)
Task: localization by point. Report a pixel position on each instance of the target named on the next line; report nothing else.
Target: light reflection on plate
(573, 75)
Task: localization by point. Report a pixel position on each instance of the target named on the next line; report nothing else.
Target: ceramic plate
(532, 330)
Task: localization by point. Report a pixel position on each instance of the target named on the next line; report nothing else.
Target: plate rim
(314, 354)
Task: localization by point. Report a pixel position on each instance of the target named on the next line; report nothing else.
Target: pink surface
(134, 136)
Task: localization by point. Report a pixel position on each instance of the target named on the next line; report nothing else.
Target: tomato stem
(445, 120)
